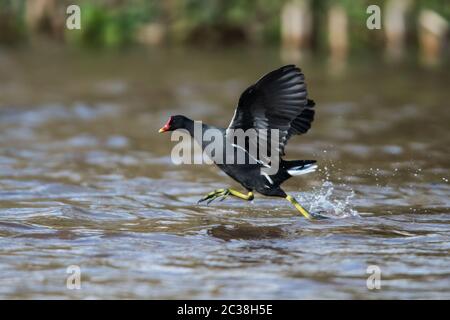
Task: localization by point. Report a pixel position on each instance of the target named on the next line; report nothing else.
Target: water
(86, 180)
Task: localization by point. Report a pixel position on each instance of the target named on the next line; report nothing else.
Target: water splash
(327, 200)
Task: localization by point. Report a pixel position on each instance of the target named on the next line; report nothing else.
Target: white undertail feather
(267, 177)
(297, 171)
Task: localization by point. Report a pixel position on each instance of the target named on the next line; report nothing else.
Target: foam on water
(326, 200)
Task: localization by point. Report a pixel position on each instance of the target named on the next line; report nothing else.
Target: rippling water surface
(86, 180)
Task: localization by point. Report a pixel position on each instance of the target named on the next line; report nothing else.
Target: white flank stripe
(268, 178)
(296, 171)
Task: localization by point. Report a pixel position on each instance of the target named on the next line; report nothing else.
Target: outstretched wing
(277, 101)
(302, 123)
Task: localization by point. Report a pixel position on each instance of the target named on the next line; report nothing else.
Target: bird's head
(174, 123)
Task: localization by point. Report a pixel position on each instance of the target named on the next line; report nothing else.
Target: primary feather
(277, 101)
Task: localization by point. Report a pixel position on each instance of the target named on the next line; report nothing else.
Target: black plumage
(276, 101)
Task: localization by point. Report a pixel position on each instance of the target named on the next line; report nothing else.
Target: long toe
(318, 216)
(218, 193)
(224, 195)
(208, 196)
(202, 199)
(214, 195)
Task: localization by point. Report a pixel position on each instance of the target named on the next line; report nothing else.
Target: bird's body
(277, 105)
(252, 180)
(268, 185)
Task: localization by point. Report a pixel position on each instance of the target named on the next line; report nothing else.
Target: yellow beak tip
(161, 130)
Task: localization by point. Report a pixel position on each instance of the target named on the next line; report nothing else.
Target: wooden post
(433, 29)
(296, 28)
(152, 34)
(337, 37)
(45, 17)
(395, 27)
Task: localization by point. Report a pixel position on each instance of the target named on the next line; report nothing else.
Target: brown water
(86, 180)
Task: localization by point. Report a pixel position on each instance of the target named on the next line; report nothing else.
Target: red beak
(166, 126)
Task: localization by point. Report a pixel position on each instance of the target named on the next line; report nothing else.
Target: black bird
(277, 101)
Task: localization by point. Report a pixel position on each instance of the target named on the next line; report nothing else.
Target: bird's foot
(304, 212)
(214, 195)
(318, 216)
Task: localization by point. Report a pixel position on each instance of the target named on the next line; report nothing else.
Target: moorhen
(277, 101)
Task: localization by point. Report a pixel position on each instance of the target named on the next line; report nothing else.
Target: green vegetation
(109, 23)
(110, 26)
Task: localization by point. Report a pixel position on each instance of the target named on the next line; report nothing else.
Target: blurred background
(86, 180)
(327, 27)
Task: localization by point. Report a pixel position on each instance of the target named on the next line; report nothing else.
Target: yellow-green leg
(303, 211)
(297, 206)
(249, 196)
(224, 193)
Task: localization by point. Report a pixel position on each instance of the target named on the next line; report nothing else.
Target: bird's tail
(299, 167)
